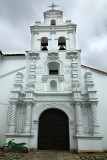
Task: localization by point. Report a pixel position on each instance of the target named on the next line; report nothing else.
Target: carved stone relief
(85, 120)
(39, 86)
(67, 71)
(67, 88)
(32, 59)
(67, 81)
(39, 67)
(67, 66)
(75, 87)
(30, 86)
(52, 98)
(39, 71)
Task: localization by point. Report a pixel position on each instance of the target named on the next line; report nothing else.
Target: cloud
(96, 56)
(90, 16)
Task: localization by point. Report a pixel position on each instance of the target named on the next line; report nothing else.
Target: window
(53, 85)
(53, 68)
(53, 72)
(44, 44)
(53, 22)
(62, 43)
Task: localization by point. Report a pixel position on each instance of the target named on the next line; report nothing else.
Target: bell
(44, 48)
(62, 47)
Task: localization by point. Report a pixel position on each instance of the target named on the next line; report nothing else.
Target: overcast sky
(90, 16)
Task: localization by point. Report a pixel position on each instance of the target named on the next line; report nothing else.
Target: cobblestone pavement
(52, 155)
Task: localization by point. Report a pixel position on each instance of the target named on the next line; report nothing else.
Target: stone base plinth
(19, 138)
(89, 144)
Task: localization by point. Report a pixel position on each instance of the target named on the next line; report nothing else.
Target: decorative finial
(53, 6)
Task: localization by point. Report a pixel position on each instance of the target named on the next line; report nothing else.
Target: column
(95, 123)
(32, 41)
(45, 86)
(78, 115)
(71, 133)
(49, 44)
(36, 132)
(67, 44)
(70, 40)
(52, 42)
(12, 120)
(28, 115)
(74, 40)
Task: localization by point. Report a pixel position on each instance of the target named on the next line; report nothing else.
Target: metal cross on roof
(53, 6)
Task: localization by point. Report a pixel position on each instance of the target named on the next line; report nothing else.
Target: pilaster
(16, 93)
(95, 121)
(28, 100)
(12, 119)
(78, 118)
(32, 41)
(77, 95)
(15, 99)
(92, 101)
(27, 126)
(75, 74)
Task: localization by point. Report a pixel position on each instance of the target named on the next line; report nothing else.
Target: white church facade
(47, 98)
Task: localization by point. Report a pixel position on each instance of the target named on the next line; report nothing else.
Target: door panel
(53, 130)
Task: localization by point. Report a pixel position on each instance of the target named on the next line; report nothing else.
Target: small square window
(53, 72)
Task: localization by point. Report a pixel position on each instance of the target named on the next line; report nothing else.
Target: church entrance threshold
(53, 130)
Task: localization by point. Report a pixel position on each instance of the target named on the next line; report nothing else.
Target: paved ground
(52, 155)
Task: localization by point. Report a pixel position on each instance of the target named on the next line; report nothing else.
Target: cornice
(20, 134)
(53, 94)
(36, 29)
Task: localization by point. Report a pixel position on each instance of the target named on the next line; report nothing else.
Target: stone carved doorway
(53, 130)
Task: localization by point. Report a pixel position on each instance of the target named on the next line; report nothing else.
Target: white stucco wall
(8, 69)
(100, 80)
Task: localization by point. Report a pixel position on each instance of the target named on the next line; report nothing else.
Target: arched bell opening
(62, 43)
(53, 130)
(44, 44)
(53, 22)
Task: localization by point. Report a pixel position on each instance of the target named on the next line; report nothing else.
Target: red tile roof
(94, 69)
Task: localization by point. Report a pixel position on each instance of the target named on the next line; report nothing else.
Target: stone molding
(53, 55)
(53, 97)
(59, 77)
(14, 71)
(36, 30)
(71, 54)
(89, 136)
(19, 134)
(40, 108)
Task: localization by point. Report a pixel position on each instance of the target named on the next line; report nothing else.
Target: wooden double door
(53, 130)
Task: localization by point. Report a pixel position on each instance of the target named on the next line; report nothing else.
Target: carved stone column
(27, 127)
(78, 115)
(36, 132)
(12, 119)
(95, 122)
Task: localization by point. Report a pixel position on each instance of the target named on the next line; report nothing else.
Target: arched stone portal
(53, 130)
